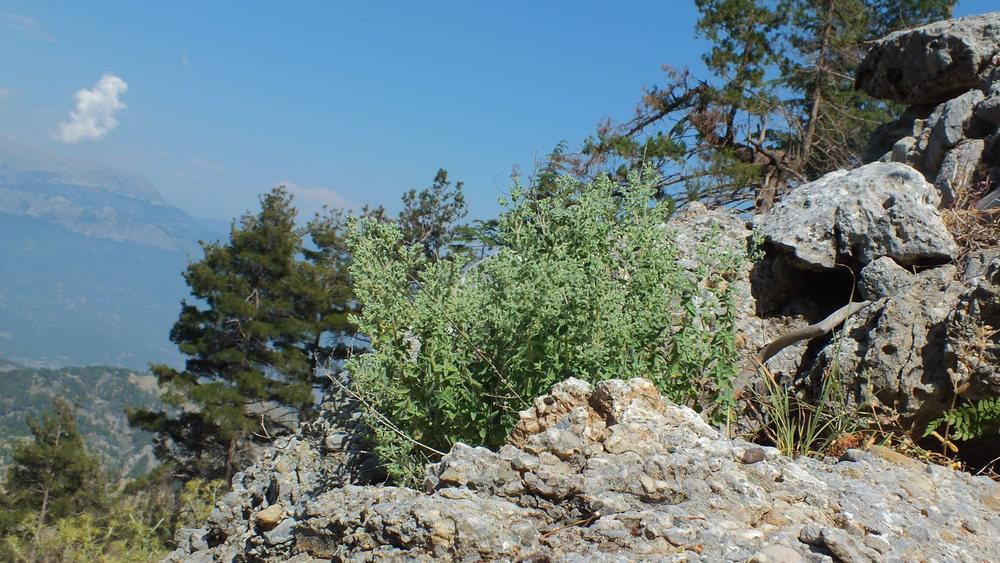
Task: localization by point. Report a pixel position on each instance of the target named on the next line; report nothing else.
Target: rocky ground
(616, 472)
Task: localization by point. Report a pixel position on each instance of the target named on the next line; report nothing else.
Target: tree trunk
(43, 513)
(767, 195)
(230, 460)
(817, 91)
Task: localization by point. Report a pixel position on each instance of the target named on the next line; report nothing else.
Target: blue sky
(351, 102)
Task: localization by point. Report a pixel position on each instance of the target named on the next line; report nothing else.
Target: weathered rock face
(883, 278)
(933, 63)
(256, 519)
(853, 218)
(946, 127)
(882, 222)
(962, 165)
(950, 74)
(973, 340)
(893, 351)
(617, 473)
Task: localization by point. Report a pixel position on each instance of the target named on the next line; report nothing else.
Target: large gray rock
(853, 218)
(949, 121)
(883, 278)
(883, 140)
(976, 265)
(617, 473)
(948, 124)
(992, 153)
(961, 168)
(891, 354)
(933, 63)
(988, 111)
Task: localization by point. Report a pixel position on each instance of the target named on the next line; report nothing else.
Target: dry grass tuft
(973, 229)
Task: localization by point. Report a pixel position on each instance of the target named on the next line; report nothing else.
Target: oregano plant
(586, 281)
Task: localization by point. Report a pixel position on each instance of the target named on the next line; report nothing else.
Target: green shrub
(586, 282)
(119, 534)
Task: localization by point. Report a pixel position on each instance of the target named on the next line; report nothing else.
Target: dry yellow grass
(973, 229)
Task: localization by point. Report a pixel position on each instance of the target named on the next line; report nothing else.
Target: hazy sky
(352, 103)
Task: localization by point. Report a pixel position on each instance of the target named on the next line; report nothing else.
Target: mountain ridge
(18, 160)
(93, 266)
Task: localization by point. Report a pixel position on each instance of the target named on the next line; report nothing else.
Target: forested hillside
(100, 394)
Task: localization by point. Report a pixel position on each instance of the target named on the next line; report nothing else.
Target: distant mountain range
(90, 262)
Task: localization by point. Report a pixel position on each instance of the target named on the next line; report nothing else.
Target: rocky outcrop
(256, 520)
(949, 75)
(892, 352)
(933, 63)
(616, 473)
(907, 353)
(972, 340)
(876, 233)
(959, 170)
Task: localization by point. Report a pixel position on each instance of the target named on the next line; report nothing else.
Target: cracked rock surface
(856, 217)
(932, 63)
(256, 520)
(615, 472)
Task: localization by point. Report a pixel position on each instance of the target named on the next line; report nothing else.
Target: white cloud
(95, 111)
(185, 61)
(207, 165)
(4, 93)
(24, 26)
(314, 198)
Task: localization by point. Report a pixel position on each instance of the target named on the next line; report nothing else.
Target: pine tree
(777, 109)
(243, 374)
(52, 475)
(270, 311)
(323, 296)
(429, 216)
(58, 502)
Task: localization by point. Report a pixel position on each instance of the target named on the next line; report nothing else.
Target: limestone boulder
(853, 218)
(947, 128)
(891, 354)
(883, 278)
(961, 168)
(933, 63)
(988, 111)
(614, 472)
(256, 520)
